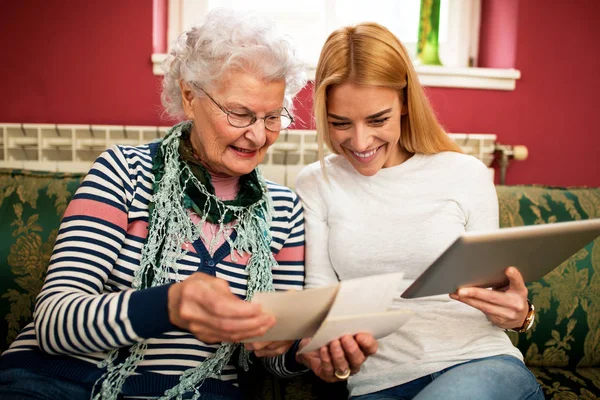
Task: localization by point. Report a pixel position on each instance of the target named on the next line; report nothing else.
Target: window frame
(465, 17)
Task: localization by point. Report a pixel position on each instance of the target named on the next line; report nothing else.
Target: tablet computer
(479, 258)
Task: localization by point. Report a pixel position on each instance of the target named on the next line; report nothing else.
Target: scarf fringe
(170, 227)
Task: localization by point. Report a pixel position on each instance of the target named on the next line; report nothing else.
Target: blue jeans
(492, 378)
(22, 384)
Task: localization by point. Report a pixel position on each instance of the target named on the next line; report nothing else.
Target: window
(308, 22)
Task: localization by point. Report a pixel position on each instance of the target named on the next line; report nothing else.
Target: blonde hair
(369, 54)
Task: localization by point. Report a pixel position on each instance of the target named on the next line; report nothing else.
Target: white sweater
(402, 219)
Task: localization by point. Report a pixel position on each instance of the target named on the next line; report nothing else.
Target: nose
(361, 138)
(256, 133)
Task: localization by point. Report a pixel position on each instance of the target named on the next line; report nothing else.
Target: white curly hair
(225, 40)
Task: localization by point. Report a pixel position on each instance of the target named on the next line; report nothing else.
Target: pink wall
(498, 33)
(90, 63)
(552, 109)
(555, 109)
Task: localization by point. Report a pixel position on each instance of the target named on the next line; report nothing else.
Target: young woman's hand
(344, 355)
(506, 308)
(205, 306)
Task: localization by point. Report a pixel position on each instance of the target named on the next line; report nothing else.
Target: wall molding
(468, 77)
(433, 76)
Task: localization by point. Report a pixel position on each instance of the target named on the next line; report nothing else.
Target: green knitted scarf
(180, 184)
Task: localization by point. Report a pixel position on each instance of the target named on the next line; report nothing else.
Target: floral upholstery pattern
(31, 207)
(562, 348)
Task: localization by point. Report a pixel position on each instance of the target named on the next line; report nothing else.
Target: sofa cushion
(567, 384)
(566, 332)
(31, 207)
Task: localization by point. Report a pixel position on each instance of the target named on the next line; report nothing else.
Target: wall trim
(433, 76)
(468, 77)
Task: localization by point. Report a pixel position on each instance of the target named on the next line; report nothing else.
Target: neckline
(226, 187)
(407, 165)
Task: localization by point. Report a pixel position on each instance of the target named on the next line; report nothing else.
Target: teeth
(365, 154)
(243, 150)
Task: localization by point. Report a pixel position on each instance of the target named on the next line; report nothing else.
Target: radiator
(73, 148)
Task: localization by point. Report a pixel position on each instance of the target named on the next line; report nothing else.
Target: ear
(404, 102)
(187, 99)
(404, 108)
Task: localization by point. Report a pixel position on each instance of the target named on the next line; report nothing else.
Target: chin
(367, 171)
(239, 170)
(239, 167)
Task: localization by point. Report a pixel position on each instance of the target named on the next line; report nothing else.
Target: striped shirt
(87, 306)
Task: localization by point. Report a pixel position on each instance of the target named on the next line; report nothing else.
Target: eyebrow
(376, 115)
(234, 105)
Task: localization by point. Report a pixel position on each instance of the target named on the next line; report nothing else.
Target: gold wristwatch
(528, 319)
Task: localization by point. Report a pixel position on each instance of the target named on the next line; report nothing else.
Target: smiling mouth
(366, 156)
(245, 153)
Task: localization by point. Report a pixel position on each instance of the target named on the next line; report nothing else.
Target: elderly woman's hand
(344, 355)
(204, 306)
(506, 308)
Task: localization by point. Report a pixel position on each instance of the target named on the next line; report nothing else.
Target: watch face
(531, 320)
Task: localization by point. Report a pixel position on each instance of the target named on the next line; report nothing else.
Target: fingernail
(463, 292)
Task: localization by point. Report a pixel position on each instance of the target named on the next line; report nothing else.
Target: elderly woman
(163, 243)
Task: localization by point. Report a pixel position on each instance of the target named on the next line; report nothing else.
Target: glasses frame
(254, 117)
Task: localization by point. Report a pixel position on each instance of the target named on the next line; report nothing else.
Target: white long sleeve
(400, 220)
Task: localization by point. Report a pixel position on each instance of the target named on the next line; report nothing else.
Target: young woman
(395, 193)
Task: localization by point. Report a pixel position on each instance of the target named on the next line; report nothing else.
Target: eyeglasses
(273, 122)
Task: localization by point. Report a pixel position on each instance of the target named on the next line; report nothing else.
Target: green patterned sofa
(562, 349)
